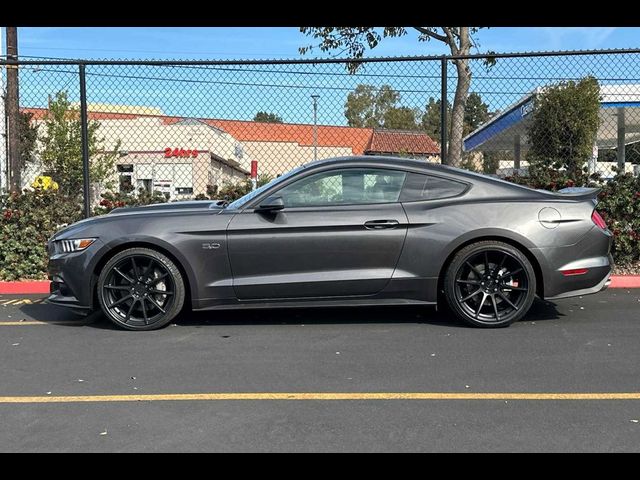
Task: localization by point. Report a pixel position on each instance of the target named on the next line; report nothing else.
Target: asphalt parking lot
(312, 376)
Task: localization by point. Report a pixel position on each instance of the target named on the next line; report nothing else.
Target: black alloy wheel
(140, 289)
(490, 284)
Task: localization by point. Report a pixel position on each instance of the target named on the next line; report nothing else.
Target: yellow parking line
(27, 322)
(322, 396)
(36, 322)
(20, 301)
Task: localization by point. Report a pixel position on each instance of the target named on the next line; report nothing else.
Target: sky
(238, 92)
(283, 42)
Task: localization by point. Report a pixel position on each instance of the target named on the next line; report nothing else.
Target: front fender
(107, 250)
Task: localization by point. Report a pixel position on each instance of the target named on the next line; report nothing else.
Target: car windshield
(242, 201)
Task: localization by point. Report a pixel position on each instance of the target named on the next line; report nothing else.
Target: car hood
(145, 211)
(171, 206)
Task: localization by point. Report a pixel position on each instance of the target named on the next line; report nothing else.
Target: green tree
(28, 135)
(431, 118)
(267, 117)
(367, 105)
(564, 127)
(476, 112)
(61, 150)
(401, 118)
(354, 41)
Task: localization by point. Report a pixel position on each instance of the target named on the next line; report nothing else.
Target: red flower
(637, 194)
(104, 202)
(7, 214)
(570, 183)
(119, 204)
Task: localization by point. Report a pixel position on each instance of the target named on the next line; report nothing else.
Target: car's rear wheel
(140, 289)
(490, 284)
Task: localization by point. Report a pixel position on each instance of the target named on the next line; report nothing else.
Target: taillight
(574, 271)
(598, 220)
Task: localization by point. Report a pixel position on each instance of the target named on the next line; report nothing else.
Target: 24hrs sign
(180, 152)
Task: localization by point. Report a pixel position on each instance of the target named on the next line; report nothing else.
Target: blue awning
(510, 126)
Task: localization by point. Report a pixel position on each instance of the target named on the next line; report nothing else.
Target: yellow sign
(45, 183)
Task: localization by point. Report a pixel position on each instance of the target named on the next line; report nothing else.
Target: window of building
(125, 181)
(145, 184)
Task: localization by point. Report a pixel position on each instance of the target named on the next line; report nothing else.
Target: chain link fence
(192, 130)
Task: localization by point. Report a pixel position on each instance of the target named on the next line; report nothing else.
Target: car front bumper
(72, 281)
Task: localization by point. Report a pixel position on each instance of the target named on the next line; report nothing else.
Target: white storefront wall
(141, 144)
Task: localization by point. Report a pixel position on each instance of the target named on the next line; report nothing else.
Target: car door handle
(380, 224)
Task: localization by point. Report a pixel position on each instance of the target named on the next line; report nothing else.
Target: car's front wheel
(490, 284)
(140, 289)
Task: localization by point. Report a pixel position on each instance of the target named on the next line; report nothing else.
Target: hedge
(27, 220)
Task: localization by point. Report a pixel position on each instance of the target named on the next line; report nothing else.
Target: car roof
(375, 160)
(462, 174)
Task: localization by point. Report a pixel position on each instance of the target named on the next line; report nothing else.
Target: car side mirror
(271, 204)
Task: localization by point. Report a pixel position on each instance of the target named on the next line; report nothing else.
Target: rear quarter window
(427, 187)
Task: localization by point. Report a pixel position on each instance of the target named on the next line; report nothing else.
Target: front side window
(350, 186)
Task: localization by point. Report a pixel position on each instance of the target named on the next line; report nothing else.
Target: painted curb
(42, 286)
(24, 288)
(625, 281)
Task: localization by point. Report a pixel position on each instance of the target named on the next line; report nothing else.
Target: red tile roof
(361, 140)
(249, 131)
(401, 141)
(328, 135)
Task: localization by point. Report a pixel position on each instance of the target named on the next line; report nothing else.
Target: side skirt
(343, 302)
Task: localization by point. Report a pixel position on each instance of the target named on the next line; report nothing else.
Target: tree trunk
(459, 41)
(13, 112)
(454, 154)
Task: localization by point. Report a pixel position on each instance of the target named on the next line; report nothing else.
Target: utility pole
(3, 132)
(12, 105)
(315, 126)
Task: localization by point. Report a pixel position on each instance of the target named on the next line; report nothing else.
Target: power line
(153, 51)
(357, 75)
(213, 82)
(265, 85)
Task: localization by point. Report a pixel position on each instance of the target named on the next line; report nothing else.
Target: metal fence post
(443, 110)
(621, 133)
(85, 139)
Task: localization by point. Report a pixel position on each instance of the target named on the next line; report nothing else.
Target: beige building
(182, 157)
(179, 159)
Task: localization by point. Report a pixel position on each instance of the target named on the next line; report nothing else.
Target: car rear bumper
(602, 285)
(580, 269)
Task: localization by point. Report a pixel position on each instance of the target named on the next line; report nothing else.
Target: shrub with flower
(111, 200)
(27, 221)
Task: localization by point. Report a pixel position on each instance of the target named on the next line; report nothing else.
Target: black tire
(490, 284)
(147, 302)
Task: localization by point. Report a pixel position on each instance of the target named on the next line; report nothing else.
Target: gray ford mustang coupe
(345, 231)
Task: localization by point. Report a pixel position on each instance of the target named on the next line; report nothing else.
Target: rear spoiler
(577, 193)
(580, 193)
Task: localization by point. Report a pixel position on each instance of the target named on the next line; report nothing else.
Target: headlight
(70, 246)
